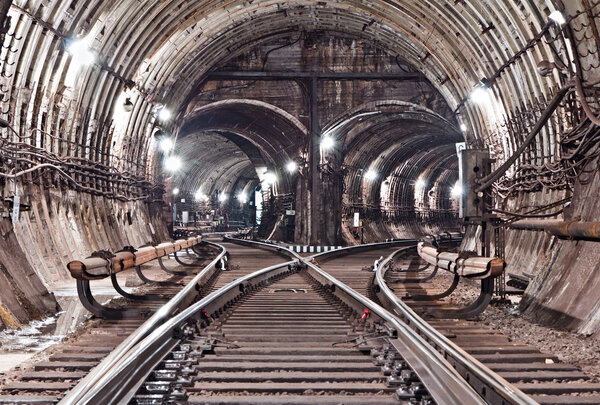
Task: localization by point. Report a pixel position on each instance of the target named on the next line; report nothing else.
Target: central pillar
(324, 197)
(314, 211)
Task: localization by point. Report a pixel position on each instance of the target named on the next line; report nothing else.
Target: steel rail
(181, 300)
(442, 381)
(120, 382)
(493, 388)
(438, 376)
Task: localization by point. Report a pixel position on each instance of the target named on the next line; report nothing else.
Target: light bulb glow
(420, 183)
(165, 144)
(371, 174)
(200, 196)
(223, 197)
(480, 95)
(175, 191)
(270, 178)
(242, 197)
(172, 163)
(164, 114)
(291, 167)
(457, 190)
(80, 52)
(463, 127)
(557, 17)
(327, 143)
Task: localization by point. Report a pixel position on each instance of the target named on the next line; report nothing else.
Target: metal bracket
(178, 273)
(138, 270)
(424, 279)
(426, 297)
(472, 310)
(89, 302)
(117, 287)
(181, 261)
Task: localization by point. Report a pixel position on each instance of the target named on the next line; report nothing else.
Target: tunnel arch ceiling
(181, 40)
(161, 50)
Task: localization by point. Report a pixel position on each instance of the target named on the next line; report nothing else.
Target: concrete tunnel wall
(157, 54)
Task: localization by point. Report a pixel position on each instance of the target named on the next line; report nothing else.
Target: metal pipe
(562, 229)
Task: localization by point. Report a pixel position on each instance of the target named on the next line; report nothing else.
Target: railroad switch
(149, 399)
(157, 387)
(405, 377)
(164, 375)
(376, 351)
(415, 391)
(206, 344)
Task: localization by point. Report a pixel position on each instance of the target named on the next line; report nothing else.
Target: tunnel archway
(86, 131)
(397, 143)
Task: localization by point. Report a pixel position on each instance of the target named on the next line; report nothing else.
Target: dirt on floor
(505, 317)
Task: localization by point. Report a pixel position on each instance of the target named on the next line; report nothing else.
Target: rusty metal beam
(562, 229)
(258, 75)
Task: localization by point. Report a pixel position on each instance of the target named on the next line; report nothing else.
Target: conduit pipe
(562, 229)
(472, 267)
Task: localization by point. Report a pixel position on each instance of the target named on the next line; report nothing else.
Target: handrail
(124, 374)
(179, 301)
(478, 373)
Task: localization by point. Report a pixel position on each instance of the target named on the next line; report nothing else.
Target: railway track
(294, 333)
(539, 375)
(289, 333)
(47, 381)
(285, 343)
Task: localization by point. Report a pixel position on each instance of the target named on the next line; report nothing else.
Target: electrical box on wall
(475, 164)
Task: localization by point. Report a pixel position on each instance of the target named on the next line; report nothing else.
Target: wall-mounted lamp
(128, 105)
(172, 163)
(557, 17)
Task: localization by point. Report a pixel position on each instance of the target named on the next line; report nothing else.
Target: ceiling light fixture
(172, 163)
(291, 167)
(480, 95)
(457, 190)
(327, 142)
(164, 114)
(270, 178)
(80, 52)
(128, 105)
(371, 174)
(165, 144)
(557, 17)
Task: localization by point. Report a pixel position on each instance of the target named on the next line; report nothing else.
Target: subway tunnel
(316, 123)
